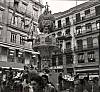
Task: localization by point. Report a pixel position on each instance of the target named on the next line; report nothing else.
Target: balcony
(20, 10)
(64, 37)
(86, 18)
(86, 32)
(45, 42)
(86, 47)
(58, 28)
(68, 24)
(16, 26)
(68, 50)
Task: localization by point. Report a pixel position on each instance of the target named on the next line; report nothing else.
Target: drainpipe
(99, 55)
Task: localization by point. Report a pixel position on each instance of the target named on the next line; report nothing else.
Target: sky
(61, 5)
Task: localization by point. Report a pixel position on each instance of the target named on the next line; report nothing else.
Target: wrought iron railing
(16, 26)
(86, 32)
(86, 47)
(68, 50)
(86, 17)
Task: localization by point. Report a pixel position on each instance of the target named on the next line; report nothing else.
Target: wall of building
(26, 9)
(91, 18)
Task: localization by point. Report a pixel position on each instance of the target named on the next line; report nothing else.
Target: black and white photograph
(49, 45)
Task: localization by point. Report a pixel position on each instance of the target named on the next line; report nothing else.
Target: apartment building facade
(77, 31)
(18, 21)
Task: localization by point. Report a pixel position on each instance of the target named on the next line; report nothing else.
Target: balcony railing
(67, 24)
(87, 32)
(43, 42)
(64, 37)
(20, 9)
(86, 47)
(68, 50)
(16, 26)
(85, 18)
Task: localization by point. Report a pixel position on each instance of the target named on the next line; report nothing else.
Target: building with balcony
(18, 21)
(77, 31)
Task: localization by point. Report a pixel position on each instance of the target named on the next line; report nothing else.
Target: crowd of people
(86, 85)
(79, 84)
(28, 80)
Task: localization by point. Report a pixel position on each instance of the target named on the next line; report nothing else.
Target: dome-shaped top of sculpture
(46, 21)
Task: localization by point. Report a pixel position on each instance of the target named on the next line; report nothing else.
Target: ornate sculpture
(46, 21)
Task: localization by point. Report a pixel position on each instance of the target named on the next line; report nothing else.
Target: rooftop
(75, 9)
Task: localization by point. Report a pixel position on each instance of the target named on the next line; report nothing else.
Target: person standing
(48, 87)
(86, 86)
(36, 83)
(96, 87)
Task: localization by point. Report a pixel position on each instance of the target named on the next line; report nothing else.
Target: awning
(13, 48)
(14, 65)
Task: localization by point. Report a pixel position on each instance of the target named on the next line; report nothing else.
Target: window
(59, 33)
(53, 60)
(98, 24)
(27, 22)
(9, 17)
(68, 45)
(87, 12)
(16, 2)
(78, 18)
(15, 20)
(67, 31)
(53, 35)
(81, 58)
(21, 57)
(22, 22)
(19, 22)
(97, 9)
(36, 14)
(1, 31)
(69, 59)
(17, 52)
(13, 37)
(22, 42)
(80, 44)
(67, 21)
(91, 56)
(59, 23)
(48, 39)
(60, 59)
(78, 30)
(1, 16)
(10, 55)
(60, 45)
(88, 27)
(89, 42)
